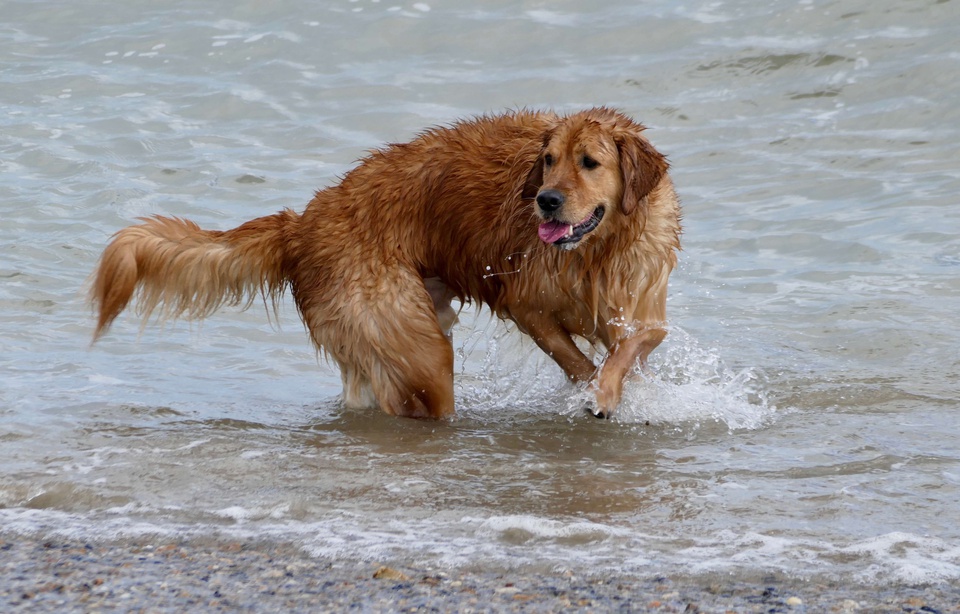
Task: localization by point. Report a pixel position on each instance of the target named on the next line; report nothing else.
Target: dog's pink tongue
(553, 230)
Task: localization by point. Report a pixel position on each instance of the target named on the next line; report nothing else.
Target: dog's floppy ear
(642, 166)
(531, 187)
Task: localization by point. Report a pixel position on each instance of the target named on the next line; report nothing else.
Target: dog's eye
(548, 160)
(589, 163)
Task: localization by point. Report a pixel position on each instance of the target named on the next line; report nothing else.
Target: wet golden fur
(374, 261)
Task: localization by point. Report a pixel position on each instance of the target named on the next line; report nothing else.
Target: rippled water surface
(801, 416)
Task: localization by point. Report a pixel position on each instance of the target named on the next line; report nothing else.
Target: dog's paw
(606, 402)
(596, 412)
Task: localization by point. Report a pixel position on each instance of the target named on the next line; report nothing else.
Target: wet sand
(62, 575)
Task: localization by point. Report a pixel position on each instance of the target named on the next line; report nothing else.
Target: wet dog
(568, 226)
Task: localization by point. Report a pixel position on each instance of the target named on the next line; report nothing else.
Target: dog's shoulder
(492, 131)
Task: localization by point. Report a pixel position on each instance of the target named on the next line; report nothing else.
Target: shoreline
(54, 574)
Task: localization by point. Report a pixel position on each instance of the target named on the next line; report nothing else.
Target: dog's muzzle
(565, 235)
(550, 200)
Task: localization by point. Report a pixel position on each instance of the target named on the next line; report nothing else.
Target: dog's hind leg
(386, 334)
(357, 391)
(442, 298)
(413, 374)
(419, 382)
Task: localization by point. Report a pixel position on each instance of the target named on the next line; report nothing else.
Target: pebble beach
(66, 575)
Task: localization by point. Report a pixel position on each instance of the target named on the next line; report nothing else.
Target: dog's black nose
(550, 200)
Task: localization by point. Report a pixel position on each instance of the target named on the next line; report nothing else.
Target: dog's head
(594, 166)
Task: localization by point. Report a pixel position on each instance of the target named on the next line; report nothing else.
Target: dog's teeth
(569, 230)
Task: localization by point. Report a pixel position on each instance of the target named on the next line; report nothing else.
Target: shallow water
(802, 416)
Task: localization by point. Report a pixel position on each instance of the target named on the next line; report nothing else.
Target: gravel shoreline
(66, 575)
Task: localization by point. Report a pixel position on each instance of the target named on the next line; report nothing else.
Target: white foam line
(520, 540)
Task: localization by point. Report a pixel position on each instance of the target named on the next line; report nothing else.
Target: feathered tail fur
(173, 264)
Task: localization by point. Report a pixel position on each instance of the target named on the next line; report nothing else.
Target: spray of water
(685, 383)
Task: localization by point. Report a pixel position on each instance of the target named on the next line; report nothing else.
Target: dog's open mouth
(561, 233)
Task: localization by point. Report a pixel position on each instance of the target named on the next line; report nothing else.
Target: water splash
(688, 383)
(502, 369)
(685, 383)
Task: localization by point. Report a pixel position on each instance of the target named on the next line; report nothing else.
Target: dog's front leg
(550, 335)
(623, 356)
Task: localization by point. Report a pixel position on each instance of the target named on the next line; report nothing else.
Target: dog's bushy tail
(173, 264)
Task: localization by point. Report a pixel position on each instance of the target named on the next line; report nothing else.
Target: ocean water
(802, 416)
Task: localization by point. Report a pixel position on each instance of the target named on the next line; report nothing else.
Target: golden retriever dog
(568, 226)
